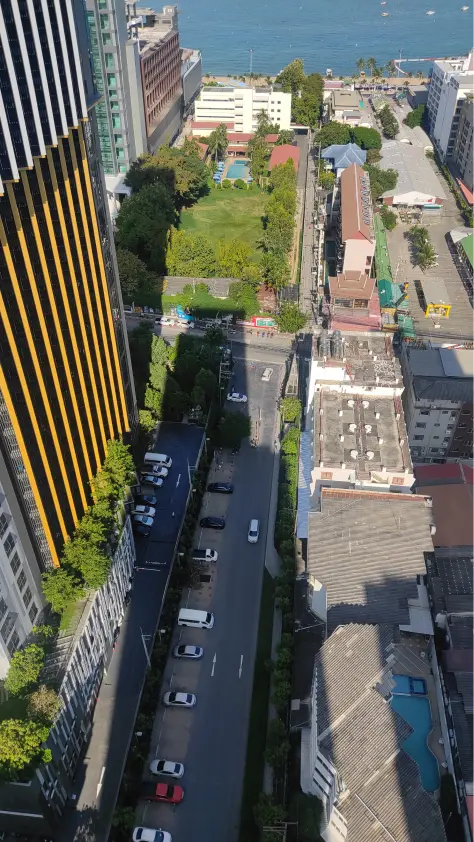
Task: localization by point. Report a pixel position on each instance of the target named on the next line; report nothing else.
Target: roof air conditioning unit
(365, 404)
(377, 414)
(352, 428)
(354, 454)
(380, 440)
(340, 413)
(370, 454)
(350, 403)
(368, 428)
(341, 437)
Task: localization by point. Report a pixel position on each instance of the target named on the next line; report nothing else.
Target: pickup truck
(162, 792)
(204, 555)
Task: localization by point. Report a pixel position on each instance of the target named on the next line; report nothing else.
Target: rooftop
(369, 428)
(415, 173)
(467, 245)
(367, 549)
(351, 285)
(451, 576)
(452, 510)
(434, 291)
(441, 373)
(282, 154)
(345, 99)
(363, 736)
(364, 360)
(356, 205)
(344, 154)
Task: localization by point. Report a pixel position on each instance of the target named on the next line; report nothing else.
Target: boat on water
(383, 3)
(464, 8)
(385, 14)
(430, 12)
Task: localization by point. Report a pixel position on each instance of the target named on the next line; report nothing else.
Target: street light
(251, 62)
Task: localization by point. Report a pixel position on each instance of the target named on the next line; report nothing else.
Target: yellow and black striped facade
(65, 383)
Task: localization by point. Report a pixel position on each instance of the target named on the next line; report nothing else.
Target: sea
(324, 33)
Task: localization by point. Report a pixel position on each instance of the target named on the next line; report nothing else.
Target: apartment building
(157, 36)
(463, 153)
(438, 403)
(451, 81)
(191, 78)
(65, 377)
(239, 108)
(344, 106)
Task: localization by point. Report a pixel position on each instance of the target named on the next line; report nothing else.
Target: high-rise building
(451, 81)
(65, 379)
(463, 145)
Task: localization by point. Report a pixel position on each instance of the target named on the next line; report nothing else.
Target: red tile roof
(424, 474)
(282, 154)
(468, 195)
(450, 487)
(354, 226)
(352, 285)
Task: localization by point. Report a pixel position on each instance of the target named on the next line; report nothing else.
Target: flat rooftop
(366, 361)
(369, 428)
(441, 362)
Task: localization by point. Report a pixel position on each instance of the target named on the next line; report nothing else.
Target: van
(193, 617)
(158, 459)
(204, 555)
(267, 375)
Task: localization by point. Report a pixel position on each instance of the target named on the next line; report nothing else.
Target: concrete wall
(169, 126)
(191, 80)
(356, 253)
(137, 111)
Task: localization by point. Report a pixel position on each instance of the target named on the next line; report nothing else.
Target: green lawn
(227, 213)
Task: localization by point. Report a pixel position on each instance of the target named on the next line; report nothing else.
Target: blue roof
(344, 154)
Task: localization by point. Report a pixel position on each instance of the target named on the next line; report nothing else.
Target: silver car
(191, 652)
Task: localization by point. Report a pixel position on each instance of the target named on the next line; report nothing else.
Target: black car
(221, 487)
(141, 529)
(146, 500)
(211, 522)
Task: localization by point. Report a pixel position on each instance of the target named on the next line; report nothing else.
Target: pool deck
(412, 659)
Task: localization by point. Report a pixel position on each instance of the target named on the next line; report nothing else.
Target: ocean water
(324, 34)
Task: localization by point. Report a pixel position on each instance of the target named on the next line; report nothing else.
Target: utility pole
(144, 638)
(251, 61)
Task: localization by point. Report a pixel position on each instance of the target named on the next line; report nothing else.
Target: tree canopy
(380, 180)
(142, 224)
(306, 109)
(25, 667)
(21, 745)
(366, 138)
(333, 132)
(290, 318)
(181, 171)
(292, 77)
(232, 257)
(134, 274)
(217, 142)
(415, 117)
(389, 122)
(190, 255)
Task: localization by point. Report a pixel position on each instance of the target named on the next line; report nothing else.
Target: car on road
(141, 529)
(164, 320)
(267, 375)
(179, 700)
(254, 531)
(170, 793)
(144, 510)
(144, 519)
(145, 500)
(221, 487)
(160, 471)
(204, 555)
(150, 479)
(149, 834)
(167, 767)
(237, 397)
(186, 325)
(188, 651)
(212, 522)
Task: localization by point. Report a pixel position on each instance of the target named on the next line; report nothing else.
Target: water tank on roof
(354, 454)
(350, 403)
(365, 404)
(352, 428)
(370, 454)
(368, 428)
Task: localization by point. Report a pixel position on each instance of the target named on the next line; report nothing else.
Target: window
(462, 426)
(9, 544)
(27, 597)
(109, 61)
(3, 524)
(436, 437)
(15, 563)
(436, 425)
(420, 425)
(397, 481)
(106, 39)
(21, 581)
(33, 613)
(13, 643)
(424, 412)
(434, 449)
(465, 412)
(418, 438)
(7, 626)
(326, 474)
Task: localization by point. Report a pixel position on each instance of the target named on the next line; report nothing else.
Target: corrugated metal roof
(415, 172)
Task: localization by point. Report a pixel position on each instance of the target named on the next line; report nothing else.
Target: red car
(162, 792)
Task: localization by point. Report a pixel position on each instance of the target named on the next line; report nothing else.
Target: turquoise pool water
(417, 712)
(239, 169)
(408, 685)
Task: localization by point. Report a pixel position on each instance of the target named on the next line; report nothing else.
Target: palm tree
(410, 75)
(217, 142)
(420, 75)
(360, 64)
(268, 80)
(406, 83)
(371, 64)
(391, 68)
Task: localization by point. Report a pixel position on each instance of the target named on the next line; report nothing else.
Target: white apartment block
(239, 108)
(451, 81)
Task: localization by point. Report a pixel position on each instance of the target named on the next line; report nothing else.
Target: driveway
(98, 777)
(211, 739)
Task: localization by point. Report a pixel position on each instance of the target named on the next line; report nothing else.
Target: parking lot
(210, 739)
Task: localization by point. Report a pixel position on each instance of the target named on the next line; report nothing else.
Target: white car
(150, 479)
(191, 652)
(254, 530)
(149, 834)
(167, 767)
(144, 510)
(167, 321)
(187, 325)
(180, 700)
(147, 521)
(237, 397)
(160, 471)
(267, 374)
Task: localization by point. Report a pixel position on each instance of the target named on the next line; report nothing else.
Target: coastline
(261, 81)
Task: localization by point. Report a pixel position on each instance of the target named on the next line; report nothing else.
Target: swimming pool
(407, 685)
(417, 712)
(239, 169)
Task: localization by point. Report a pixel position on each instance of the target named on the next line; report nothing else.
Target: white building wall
(242, 107)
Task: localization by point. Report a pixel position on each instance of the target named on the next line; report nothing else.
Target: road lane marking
(240, 668)
(213, 664)
(99, 785)
(177, 481)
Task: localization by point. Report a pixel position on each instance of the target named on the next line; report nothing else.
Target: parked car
(267, 374)
(237, 397)
(180, 700)
(169, 793)
(147, 521)
(149, 834)
(141, 529)
(160, 471)
(212, 522)
(187, 651)
(144, 510)
(150, 479)
(146, 500)
(254, 531)
(164, 320)
(204, 555)
(221, 487)
(167, 767)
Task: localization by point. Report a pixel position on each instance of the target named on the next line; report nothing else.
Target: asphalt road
(211, 738)
(249, 337)
(98, 777)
